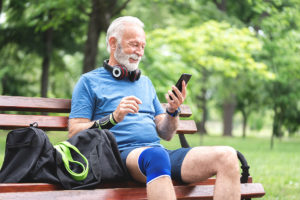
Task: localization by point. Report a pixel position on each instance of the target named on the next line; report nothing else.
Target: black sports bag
(30, 157)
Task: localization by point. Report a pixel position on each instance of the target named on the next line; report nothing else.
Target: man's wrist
(116, 117)
(171, 110)
(112, 119)
(106, 122)
(173, 113)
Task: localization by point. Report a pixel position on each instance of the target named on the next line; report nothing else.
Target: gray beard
(123, 58)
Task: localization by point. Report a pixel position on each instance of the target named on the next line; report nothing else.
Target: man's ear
(112, 43)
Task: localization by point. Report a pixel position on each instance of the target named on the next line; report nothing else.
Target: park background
(244, 57)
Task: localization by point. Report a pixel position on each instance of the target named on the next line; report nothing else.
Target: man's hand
(177, 101)
(127, 105)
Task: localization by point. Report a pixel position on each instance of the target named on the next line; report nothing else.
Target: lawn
(278, 169)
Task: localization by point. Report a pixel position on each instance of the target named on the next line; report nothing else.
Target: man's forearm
(77, 125)
(167, 126)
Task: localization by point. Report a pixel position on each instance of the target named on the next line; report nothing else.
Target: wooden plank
(28, 187)
(38, 104)
(186, 127)
(37, 187)
(60, 123)
(185, 110)
(34, 104)
(55, 123)
(248, 190)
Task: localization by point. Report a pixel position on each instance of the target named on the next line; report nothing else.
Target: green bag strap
(64, 149)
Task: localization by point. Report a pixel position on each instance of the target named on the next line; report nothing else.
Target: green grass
(278, 169)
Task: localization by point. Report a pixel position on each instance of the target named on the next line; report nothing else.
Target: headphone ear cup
(135, 75)
(119, 72)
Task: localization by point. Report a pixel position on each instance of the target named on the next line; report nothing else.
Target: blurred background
(244, 57)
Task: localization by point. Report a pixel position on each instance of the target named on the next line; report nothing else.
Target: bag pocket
(20, 138)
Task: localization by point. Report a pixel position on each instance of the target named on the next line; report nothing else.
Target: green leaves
(218, 55)
(215, 46)
(247, 50)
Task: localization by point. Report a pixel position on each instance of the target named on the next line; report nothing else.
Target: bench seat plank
(38, 187)
(182, 192)
(60, 123)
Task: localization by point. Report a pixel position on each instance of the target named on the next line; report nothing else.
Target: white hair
(116, 28)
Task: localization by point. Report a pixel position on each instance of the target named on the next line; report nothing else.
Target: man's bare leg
(159, 188)
(201, 163)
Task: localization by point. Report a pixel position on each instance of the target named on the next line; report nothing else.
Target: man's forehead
(134, 32)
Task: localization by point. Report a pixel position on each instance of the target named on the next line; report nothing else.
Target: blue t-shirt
(98, 94)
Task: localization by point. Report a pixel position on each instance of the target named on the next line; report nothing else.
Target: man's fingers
(177, 99)
(132, 102)
(174, 102)
(172, 95)
(137, 100)
(127, 105)
(167, 96)
(127, 110)
(132, 107)
(183, 89)
(178, 93)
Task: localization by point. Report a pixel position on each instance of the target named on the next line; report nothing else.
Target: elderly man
(118, 98)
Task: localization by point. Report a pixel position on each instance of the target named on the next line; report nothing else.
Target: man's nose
(139, 51)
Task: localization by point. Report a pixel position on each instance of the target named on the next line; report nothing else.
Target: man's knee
(227, 159)
(154, 162)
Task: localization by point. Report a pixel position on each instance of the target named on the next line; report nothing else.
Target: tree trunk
(102, 12)
(1, 2)
(245, 118)
(228, 112)
(202, 128)
(203, 102)
(221, 6)
(272, 141)
(48, 34)
(276, 130)
(93, 35)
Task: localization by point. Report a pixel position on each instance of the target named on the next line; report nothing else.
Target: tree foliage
(244, 56)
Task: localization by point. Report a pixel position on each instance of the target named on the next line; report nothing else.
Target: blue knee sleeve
(154, 162)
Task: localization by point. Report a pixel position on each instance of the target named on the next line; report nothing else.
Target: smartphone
(184, 77)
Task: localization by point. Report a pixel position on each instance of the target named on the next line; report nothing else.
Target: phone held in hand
(184, 77)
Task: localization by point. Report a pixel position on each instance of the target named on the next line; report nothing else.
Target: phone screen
(184, 77)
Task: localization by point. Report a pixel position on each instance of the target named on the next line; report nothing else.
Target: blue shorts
(176, 158)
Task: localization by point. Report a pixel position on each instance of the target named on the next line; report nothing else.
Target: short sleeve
(83, 103)
(156, 103)
(157, 106)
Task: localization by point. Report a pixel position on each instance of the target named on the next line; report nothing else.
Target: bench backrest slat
(58, 123)
(37, 104)
(34, 104)
(47, 123)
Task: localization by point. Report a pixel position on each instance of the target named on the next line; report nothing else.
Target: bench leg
(183, 141)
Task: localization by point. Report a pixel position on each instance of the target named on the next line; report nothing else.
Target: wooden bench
(119, 190)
